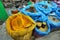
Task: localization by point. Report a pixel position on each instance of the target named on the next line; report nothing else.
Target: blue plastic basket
(53, 5)
(58, 11)
(54, 22)
(24, 10)
(41, 33)
(35, 16)
(43, 6)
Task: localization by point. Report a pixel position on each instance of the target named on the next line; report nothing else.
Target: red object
(33, 1)
(14, 12)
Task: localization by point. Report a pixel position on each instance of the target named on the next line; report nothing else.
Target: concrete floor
(52, 36)
(3, 34)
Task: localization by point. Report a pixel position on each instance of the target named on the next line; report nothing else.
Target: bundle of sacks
(43, 13)
(42, 17)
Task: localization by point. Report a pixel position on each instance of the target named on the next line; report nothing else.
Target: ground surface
(52, 36)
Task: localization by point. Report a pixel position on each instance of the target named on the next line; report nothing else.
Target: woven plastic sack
(43, 6)
(53, 21)
(20, 26)
(53, 5)
(42, 28)
(32, 12)
(58, 11)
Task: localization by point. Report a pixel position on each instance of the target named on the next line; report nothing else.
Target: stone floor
(52, 36)
(3, 34)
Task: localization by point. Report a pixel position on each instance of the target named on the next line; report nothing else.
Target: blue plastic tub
(42, 33)
(35, 15)
(58, 11)
(53, 5)
(44, 7)
(52, 13)
(54, 22)
(55, 13)
(24, 10)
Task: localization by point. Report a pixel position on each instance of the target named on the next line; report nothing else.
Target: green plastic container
(3, 14)
(29, 3)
